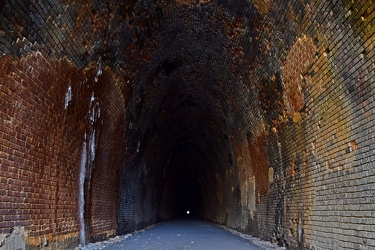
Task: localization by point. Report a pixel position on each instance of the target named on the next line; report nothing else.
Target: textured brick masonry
(258, 115)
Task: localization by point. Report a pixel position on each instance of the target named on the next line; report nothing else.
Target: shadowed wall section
(116, 115)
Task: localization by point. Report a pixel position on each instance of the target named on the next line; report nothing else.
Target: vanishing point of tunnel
(252, 114)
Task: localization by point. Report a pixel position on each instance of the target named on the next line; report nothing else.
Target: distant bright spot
(188, 212)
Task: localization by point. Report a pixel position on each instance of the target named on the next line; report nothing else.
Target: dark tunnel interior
(183, 151)
(252, 114)
(186, 182)
(181, 124)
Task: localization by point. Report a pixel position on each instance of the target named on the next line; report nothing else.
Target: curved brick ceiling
(190, 96)
(244, 112)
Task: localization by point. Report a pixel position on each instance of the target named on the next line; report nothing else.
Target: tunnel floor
(183, 233)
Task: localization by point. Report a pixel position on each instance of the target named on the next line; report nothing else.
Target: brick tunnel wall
(47, 107)
(268, 104)
(56, 99)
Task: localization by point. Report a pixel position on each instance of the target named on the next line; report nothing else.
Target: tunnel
(251, 114)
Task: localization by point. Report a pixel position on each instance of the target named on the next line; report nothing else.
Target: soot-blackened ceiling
(191, 91)
(179, 104)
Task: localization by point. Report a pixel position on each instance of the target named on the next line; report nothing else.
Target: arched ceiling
(194, 91)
